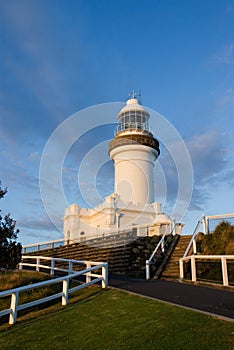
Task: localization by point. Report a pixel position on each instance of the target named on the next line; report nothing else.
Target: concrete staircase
(172, 270)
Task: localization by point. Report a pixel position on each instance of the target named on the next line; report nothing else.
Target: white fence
(192, 258)
(203, 226)
(43, 245)
(91, 278)
(102, 239)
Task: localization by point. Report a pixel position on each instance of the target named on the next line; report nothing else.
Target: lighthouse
(132, 206)
(134, 151)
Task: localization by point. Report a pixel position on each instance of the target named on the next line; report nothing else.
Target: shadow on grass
(50, 308)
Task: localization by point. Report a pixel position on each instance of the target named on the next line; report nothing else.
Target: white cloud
(226, 56)
(208, 152)
(227, 99)
(210, 158)
(34, 157)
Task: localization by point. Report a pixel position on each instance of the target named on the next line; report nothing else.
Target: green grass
(14, 279)
(111, 319)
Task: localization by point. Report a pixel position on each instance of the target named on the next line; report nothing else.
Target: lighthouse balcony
(131, 129)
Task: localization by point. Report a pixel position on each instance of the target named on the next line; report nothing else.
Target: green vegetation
(10, 280)
(111, 319)
(10, 251)
(220, 242)
(141, 250)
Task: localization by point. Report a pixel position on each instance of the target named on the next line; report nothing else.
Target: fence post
(37, 266)
(52, 267)
(181, 269)
(14, 304)
(147, 269)
(193, 269)
(105, 276)
(20, 265)
(65, 291)
(224, 271)
(88, 277)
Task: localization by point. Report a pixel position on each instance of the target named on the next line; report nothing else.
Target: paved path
(218, 302)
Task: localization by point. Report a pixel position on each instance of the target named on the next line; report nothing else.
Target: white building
(132, 205)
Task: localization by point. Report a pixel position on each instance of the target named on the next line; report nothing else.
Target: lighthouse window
(82, 236)
(133, 120)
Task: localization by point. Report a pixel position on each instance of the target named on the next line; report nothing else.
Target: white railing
(203, 223)
(43, 245)
(88, 272)
(101, 239)
(149, 261)
(209, 218)
(193, 258)
(161, 244)
(94, 239)
(192, 241)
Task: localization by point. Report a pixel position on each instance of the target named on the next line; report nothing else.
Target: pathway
(217, 302)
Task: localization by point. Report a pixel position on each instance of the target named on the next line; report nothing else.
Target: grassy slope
(10, 280)
(110, 319)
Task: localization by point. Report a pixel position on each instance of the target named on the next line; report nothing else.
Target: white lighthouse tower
(134, 151)
(132, 206)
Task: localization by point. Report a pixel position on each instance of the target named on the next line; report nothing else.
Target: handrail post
(194, 246)
(193, 269)
(204, 224)
(224, 271)
(14, 304)
(105, 276)
(147, 269)
(70, 266)
(163, 245)
(173, 223)
(65, 292)
(181, 269)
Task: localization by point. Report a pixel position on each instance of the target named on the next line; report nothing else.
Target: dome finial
(135, 95)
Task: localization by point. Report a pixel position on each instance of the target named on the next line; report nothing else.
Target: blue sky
(58, 57)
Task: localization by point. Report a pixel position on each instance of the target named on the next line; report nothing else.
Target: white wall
(134, 179)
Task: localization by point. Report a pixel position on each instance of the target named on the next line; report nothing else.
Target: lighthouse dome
(132, 105)
(133, 118)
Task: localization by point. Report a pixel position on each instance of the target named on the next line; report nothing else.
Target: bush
(10, 251)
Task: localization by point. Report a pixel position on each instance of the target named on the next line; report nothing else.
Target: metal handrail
(94, 238)
(160, 243)
(193, 239)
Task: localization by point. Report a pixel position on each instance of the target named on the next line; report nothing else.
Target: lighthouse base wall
(115, 216)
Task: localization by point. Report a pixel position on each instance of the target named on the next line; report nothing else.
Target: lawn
(111, 319)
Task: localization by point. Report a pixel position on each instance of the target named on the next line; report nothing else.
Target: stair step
(171, 270)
